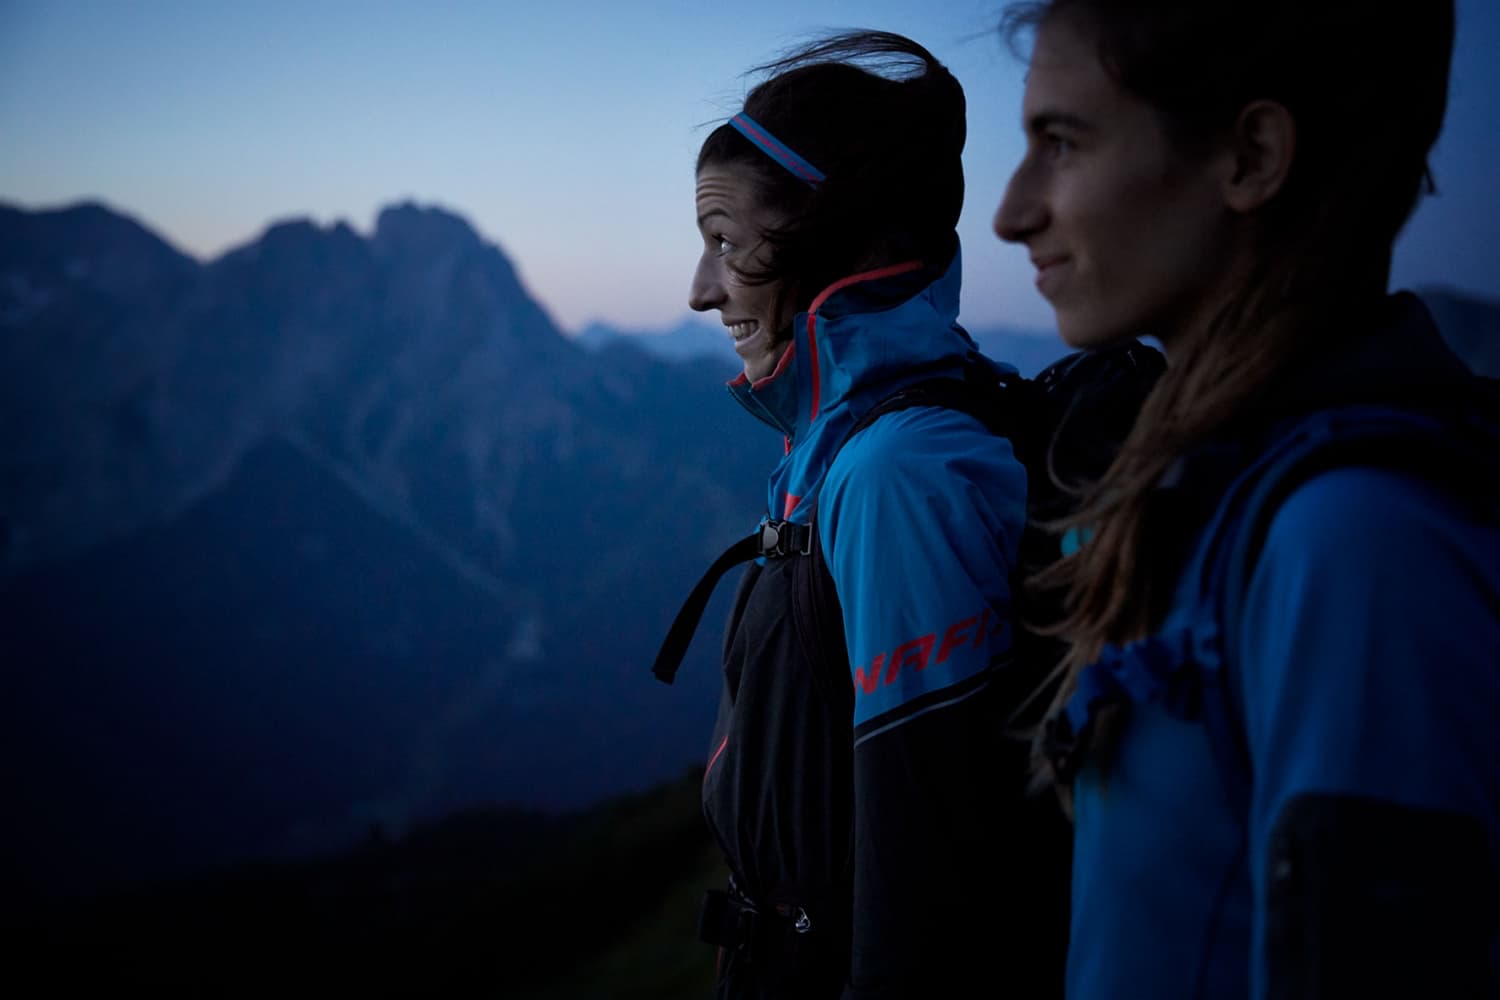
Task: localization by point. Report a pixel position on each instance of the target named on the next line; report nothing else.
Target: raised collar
(863, 330)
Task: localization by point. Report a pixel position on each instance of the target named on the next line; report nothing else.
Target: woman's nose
(706, 292)
(1021, 212)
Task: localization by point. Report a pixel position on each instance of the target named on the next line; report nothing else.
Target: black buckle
(778, 940)
(779, 539)
(725, 920)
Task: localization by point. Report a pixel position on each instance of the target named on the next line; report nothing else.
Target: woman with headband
(851, 781)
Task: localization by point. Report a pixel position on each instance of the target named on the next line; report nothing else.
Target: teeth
(739, 331)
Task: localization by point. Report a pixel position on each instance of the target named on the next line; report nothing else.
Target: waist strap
(780, 936)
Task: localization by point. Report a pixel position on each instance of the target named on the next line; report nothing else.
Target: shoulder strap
(819, 620)
(1455, 448)
(1187, 665)
(987, 398)
(774, 539)
(780, 539)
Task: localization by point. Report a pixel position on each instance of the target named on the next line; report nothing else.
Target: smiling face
(1129, 235)
(732, 222)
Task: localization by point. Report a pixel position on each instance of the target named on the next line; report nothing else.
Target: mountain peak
(443, 268)
(89, 241)
(407, 227)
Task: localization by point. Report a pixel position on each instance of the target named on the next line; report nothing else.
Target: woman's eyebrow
(1043, 120)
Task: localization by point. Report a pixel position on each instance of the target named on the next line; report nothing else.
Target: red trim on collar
(812, 319)
(758, 384)
(781, 366)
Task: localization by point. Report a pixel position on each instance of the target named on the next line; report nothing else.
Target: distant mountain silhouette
(329, 531)
(1029, 350)
(691, 338)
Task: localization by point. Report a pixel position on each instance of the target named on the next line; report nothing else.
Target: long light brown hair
(1367, 88)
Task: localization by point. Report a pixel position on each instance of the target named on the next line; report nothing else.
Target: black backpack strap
(775, 539)
(819, 620)
(815, 600)
(781, 539)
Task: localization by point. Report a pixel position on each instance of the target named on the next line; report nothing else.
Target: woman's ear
(1264, 141)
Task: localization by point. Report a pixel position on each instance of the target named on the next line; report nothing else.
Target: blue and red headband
(777, 150)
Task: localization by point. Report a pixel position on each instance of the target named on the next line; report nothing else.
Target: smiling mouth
(739, 331)
(1048, 270)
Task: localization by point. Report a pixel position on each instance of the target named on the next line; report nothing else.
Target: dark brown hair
(890, 143)
(1367, 88)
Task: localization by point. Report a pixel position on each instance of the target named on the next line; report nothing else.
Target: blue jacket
(1361, 670)
(880, 827)
(925, 496)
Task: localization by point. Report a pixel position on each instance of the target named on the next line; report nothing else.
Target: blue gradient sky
(564, 131)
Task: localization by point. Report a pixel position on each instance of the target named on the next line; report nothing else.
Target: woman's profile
(1277, 717)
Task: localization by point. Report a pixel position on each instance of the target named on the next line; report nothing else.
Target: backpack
(1064, 425)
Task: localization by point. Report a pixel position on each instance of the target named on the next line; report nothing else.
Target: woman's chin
(762, 363)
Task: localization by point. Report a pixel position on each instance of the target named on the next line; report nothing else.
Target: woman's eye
(723, 245)
(1057, 145)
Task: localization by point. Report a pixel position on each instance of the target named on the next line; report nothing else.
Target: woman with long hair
(1277, 715)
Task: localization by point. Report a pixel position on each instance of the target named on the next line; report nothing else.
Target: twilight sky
(565, 131)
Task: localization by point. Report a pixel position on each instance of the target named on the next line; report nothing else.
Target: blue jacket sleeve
(920, 520)
(1369, 652)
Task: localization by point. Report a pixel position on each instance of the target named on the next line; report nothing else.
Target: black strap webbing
(777, 539)
(675, 646)
(774, 539)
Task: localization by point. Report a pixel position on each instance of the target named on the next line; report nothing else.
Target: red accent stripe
(715, 757)
(791, 505)
(781, 366)
(775, 145)
(817, 303)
